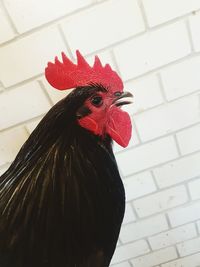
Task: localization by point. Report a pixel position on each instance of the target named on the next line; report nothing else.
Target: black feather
(62, 199)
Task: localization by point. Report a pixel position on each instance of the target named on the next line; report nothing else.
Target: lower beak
(123, 99)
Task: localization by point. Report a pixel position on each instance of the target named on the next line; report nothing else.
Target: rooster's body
(62, 200)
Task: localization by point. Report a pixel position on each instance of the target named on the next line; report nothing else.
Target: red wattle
(119, 126)
(89, 124)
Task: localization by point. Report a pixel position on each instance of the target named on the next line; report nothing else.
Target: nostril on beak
(126, 94)
(117, 94)
(120, 100)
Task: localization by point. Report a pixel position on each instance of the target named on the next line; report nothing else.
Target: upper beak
(120, 101)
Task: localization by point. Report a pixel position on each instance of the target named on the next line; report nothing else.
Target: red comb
(65, 75)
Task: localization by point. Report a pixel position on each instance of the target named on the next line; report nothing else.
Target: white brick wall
(102, 25)
(30, 14)
(35, 104)
(123, 264)
(161, 201)
(20, 57)
(178, 171)
(168, 10)
(155, 258)
(6, 32)
(189, 140)
(179, 80)
(143, 228)
(140, 158)
(173, 236)
(129, 215)
(10, 143)
(146, 92)
(184, 214)
(152, 50)
(190, 261)
(189, 247)
(139, 185)
(168, 118)
(194, 188)
(130, 250)
(194, 25)
(155, 46)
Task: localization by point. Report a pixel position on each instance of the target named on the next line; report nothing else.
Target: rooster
(62, 200)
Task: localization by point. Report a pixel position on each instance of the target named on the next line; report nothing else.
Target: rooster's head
(100, 111)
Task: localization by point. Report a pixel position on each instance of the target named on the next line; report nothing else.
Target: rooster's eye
(97, 101)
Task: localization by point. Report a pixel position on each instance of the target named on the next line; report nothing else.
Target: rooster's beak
(123, 99)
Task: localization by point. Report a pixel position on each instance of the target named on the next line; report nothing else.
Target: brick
(55, 95)
(32, 125)
(189, 140)
(129, 215)
(129, 251)
(10, 143)
(97, 26)
(154, 258)
(189, 247)
(194, 188)
(143, 228)
(178, 171)
(152, 50)
(167, 118)
(6, 32)
(30, 14)
(168, 10)
(146, 92)
(161, 201)
(28, 56)
(184, 214)
(173, 236)
(139, 185)
(123, 264)
(133, 142)
(147, 155)
(22, 103)
(182, 78)
(190, 261)
(194, 26)
(198, 226)
(105, 57)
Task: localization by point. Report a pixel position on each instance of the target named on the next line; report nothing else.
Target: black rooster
(62, 199)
